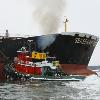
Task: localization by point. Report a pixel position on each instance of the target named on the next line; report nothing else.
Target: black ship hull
(72, 50)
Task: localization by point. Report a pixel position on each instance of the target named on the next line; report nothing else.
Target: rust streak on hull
(2, 73)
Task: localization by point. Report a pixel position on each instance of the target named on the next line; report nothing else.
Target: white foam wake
(92, 79)
(87, 89)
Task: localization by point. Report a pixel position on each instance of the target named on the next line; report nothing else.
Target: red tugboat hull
(29, 70)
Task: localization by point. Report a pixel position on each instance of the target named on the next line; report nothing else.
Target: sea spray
(87, 89)
(92, 79)
(45, 41)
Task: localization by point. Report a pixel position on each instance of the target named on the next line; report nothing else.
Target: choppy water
(89, 89)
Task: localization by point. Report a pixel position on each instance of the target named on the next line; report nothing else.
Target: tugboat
(37, 66)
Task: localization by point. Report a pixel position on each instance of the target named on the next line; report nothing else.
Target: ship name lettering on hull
(85, 41)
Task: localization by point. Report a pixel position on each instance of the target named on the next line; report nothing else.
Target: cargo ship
(72, 50)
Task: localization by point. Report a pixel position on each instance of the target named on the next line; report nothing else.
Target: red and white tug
(32, 64)
(37, 66)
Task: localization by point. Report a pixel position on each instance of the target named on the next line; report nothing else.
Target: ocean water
(89, 89)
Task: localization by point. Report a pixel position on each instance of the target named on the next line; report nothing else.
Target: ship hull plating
(72, 50)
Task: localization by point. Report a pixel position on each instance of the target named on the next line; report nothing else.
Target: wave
(89, 89)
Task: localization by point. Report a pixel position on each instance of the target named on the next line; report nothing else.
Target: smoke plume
(48, 14)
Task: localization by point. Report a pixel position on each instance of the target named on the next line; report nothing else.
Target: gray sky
(84, 16)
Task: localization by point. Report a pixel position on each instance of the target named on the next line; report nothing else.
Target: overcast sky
(84, 16)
